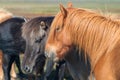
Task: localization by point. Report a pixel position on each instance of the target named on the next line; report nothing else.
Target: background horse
(11, 42)
(35, 33)
(76, 64)
(90, 32)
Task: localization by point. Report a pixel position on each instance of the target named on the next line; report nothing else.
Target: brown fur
(1, 70)
(4, 15)
(95, 34)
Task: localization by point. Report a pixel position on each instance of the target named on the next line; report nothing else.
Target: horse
(11, 42)
(79, 69)
(35, 32)
(92, 33)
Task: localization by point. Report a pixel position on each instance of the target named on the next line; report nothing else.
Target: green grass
(53, 8)
(34, 8)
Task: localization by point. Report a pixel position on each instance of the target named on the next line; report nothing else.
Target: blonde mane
(5, 15)
(94, 33)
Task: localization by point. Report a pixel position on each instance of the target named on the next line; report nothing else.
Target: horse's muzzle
(27, 69)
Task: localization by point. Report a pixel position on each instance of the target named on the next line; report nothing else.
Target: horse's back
(10, 34)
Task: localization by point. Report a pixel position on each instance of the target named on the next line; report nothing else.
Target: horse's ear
(63, 10)
(69, 5)
(27, 19)
(42, 25)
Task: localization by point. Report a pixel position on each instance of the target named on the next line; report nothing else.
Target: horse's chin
(34, 71)
(61, 54)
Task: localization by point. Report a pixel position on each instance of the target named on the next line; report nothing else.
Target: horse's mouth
(61, 53)
(57, 54)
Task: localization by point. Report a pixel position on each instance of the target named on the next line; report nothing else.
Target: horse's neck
(97, 41)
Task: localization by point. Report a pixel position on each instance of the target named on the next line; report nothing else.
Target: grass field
(50, 8)
(32, 9)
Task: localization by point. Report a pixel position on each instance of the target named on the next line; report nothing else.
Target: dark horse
(11, 44)
(35, 33)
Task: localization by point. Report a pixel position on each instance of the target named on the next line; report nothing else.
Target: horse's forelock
(33, 29)
(93, 32)
(28, 27)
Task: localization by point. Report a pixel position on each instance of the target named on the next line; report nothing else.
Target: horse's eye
(58, 29)
(38, 40)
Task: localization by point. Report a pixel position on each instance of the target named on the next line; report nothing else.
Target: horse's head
(35, 34)
(59, 40)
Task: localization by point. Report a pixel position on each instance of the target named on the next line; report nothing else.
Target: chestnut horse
(92, 33)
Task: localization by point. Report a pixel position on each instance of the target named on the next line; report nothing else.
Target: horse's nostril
(27, 69)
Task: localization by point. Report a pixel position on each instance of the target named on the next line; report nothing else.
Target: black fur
(11, 44)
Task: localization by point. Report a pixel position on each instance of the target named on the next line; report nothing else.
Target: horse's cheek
(66, 40)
